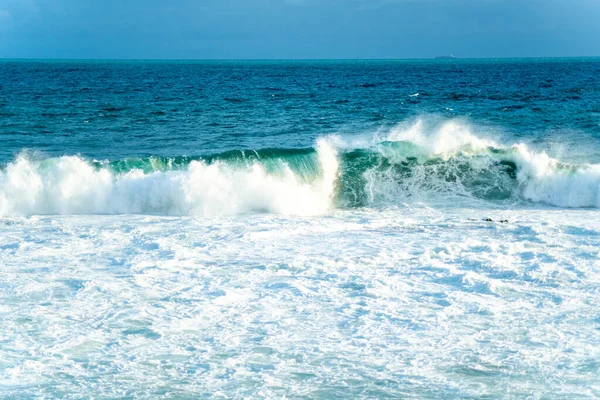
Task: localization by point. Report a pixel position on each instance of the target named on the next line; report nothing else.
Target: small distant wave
(414, 162)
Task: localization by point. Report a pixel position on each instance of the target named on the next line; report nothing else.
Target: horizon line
(436, 58)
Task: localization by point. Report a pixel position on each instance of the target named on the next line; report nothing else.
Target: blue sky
(196, 29)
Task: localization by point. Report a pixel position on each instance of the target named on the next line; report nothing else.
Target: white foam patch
(385, 304)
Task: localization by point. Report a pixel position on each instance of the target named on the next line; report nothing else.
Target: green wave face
(373, 177)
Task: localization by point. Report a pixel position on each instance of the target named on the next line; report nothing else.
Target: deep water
(114, 110)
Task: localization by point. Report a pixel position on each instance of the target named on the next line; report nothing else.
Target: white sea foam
(436, 304)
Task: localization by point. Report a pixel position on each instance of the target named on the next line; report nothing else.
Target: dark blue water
(117, 109)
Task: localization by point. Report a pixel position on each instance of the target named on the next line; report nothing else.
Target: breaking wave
(442, 165)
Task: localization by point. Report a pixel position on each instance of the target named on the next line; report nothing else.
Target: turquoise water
(300, 229)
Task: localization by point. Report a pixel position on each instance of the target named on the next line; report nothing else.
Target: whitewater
(442, 267)
(300, 230)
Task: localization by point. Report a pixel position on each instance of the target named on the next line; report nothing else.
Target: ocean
(300, 229)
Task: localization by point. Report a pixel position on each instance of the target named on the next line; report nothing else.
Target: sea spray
(546, 180)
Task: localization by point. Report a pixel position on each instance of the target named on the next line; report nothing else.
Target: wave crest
(71, 185)
(443, 164)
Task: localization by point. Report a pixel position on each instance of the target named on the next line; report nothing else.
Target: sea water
(300, 229)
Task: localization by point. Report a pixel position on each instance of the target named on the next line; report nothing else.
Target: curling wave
(407, 164)
(216, 186)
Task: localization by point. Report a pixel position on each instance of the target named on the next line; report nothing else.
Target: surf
(217, 186)
(444, 165)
